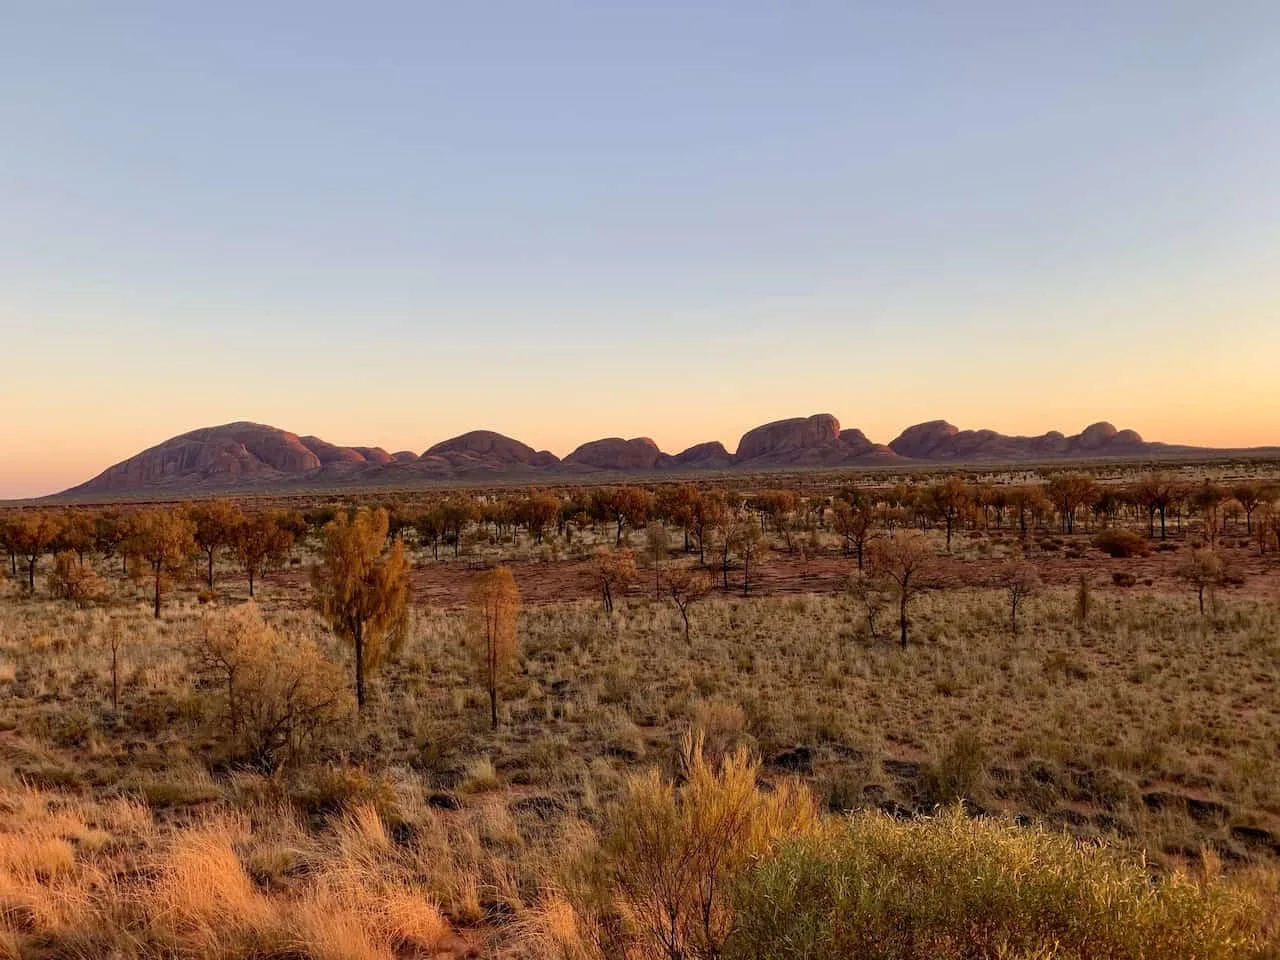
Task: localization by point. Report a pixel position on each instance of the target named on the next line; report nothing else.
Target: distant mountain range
(251, 455)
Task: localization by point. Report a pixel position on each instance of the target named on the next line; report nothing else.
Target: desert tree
(428, 523)
(261, 543)
(627, 506)
(539, 511)
(8, 541)
(869, 595)
(948, 500)
(854, 521)
(362, 588)
(1250, 496)
(657, 547)
(115, 642)
(905, 563)
(75, 533)
(676, 504)
(217, 523)
(1019, 580)
(32, 533)
(686, 586)
(751, 546)
(491, 624)
(1157, 494)
(457, 512)
(110, 531)
(1207, 499)
(1068, 492)
(161, 545)
(612, 570)
(705, 514)
(1029, 502)
(1204, 571)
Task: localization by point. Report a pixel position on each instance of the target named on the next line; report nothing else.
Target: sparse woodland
(997, 715)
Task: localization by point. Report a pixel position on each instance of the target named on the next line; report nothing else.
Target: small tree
(612, 571)
(30, 535)
(854, 522)
(687, 586)
(161, 543)
(1204, 571)
(870, 595)
(362, 588)
(657, 546)
(905, 562)
(217, 523)
(948, 501)
(1250, 496)
(752, 548)
(495, 607)
(261, 543)
(1019, 580)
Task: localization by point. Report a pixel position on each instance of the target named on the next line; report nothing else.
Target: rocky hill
(251, 455)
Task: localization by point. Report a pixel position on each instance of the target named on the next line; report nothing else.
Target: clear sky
(390, 223)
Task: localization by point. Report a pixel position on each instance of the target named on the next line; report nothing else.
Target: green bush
(950, 888)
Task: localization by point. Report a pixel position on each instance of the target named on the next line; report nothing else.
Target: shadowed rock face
(614, 453)
(710, 455)
(938, 440)
(329, 453)
(486, 444)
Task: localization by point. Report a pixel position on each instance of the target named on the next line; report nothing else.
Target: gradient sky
(390, 223)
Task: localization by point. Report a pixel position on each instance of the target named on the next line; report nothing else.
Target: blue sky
(388, 223)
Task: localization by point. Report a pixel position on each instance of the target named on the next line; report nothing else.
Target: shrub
(677, 850)
(960, 769)
(1123, 578)
(71, 580)
(879, 889)
(279, 694)
(1115, 542)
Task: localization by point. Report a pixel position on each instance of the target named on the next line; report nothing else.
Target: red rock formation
(614, 453)
(235, 452)
(494, 448)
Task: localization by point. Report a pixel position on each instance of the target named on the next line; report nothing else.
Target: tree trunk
(115, 679)
(157, 611)
(210, 570)
(359, 641)
(31, 572)
(493, 706)
(902, 618)
(251, 581)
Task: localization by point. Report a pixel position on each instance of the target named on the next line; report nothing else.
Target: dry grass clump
(953, 887)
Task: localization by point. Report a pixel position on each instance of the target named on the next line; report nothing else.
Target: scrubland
(786, 780)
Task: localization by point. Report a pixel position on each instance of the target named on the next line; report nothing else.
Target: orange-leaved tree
(362, 587)
(217, 525)
(161, 544)
(495, 606)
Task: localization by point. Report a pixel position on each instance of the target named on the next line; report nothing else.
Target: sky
(389, 223)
